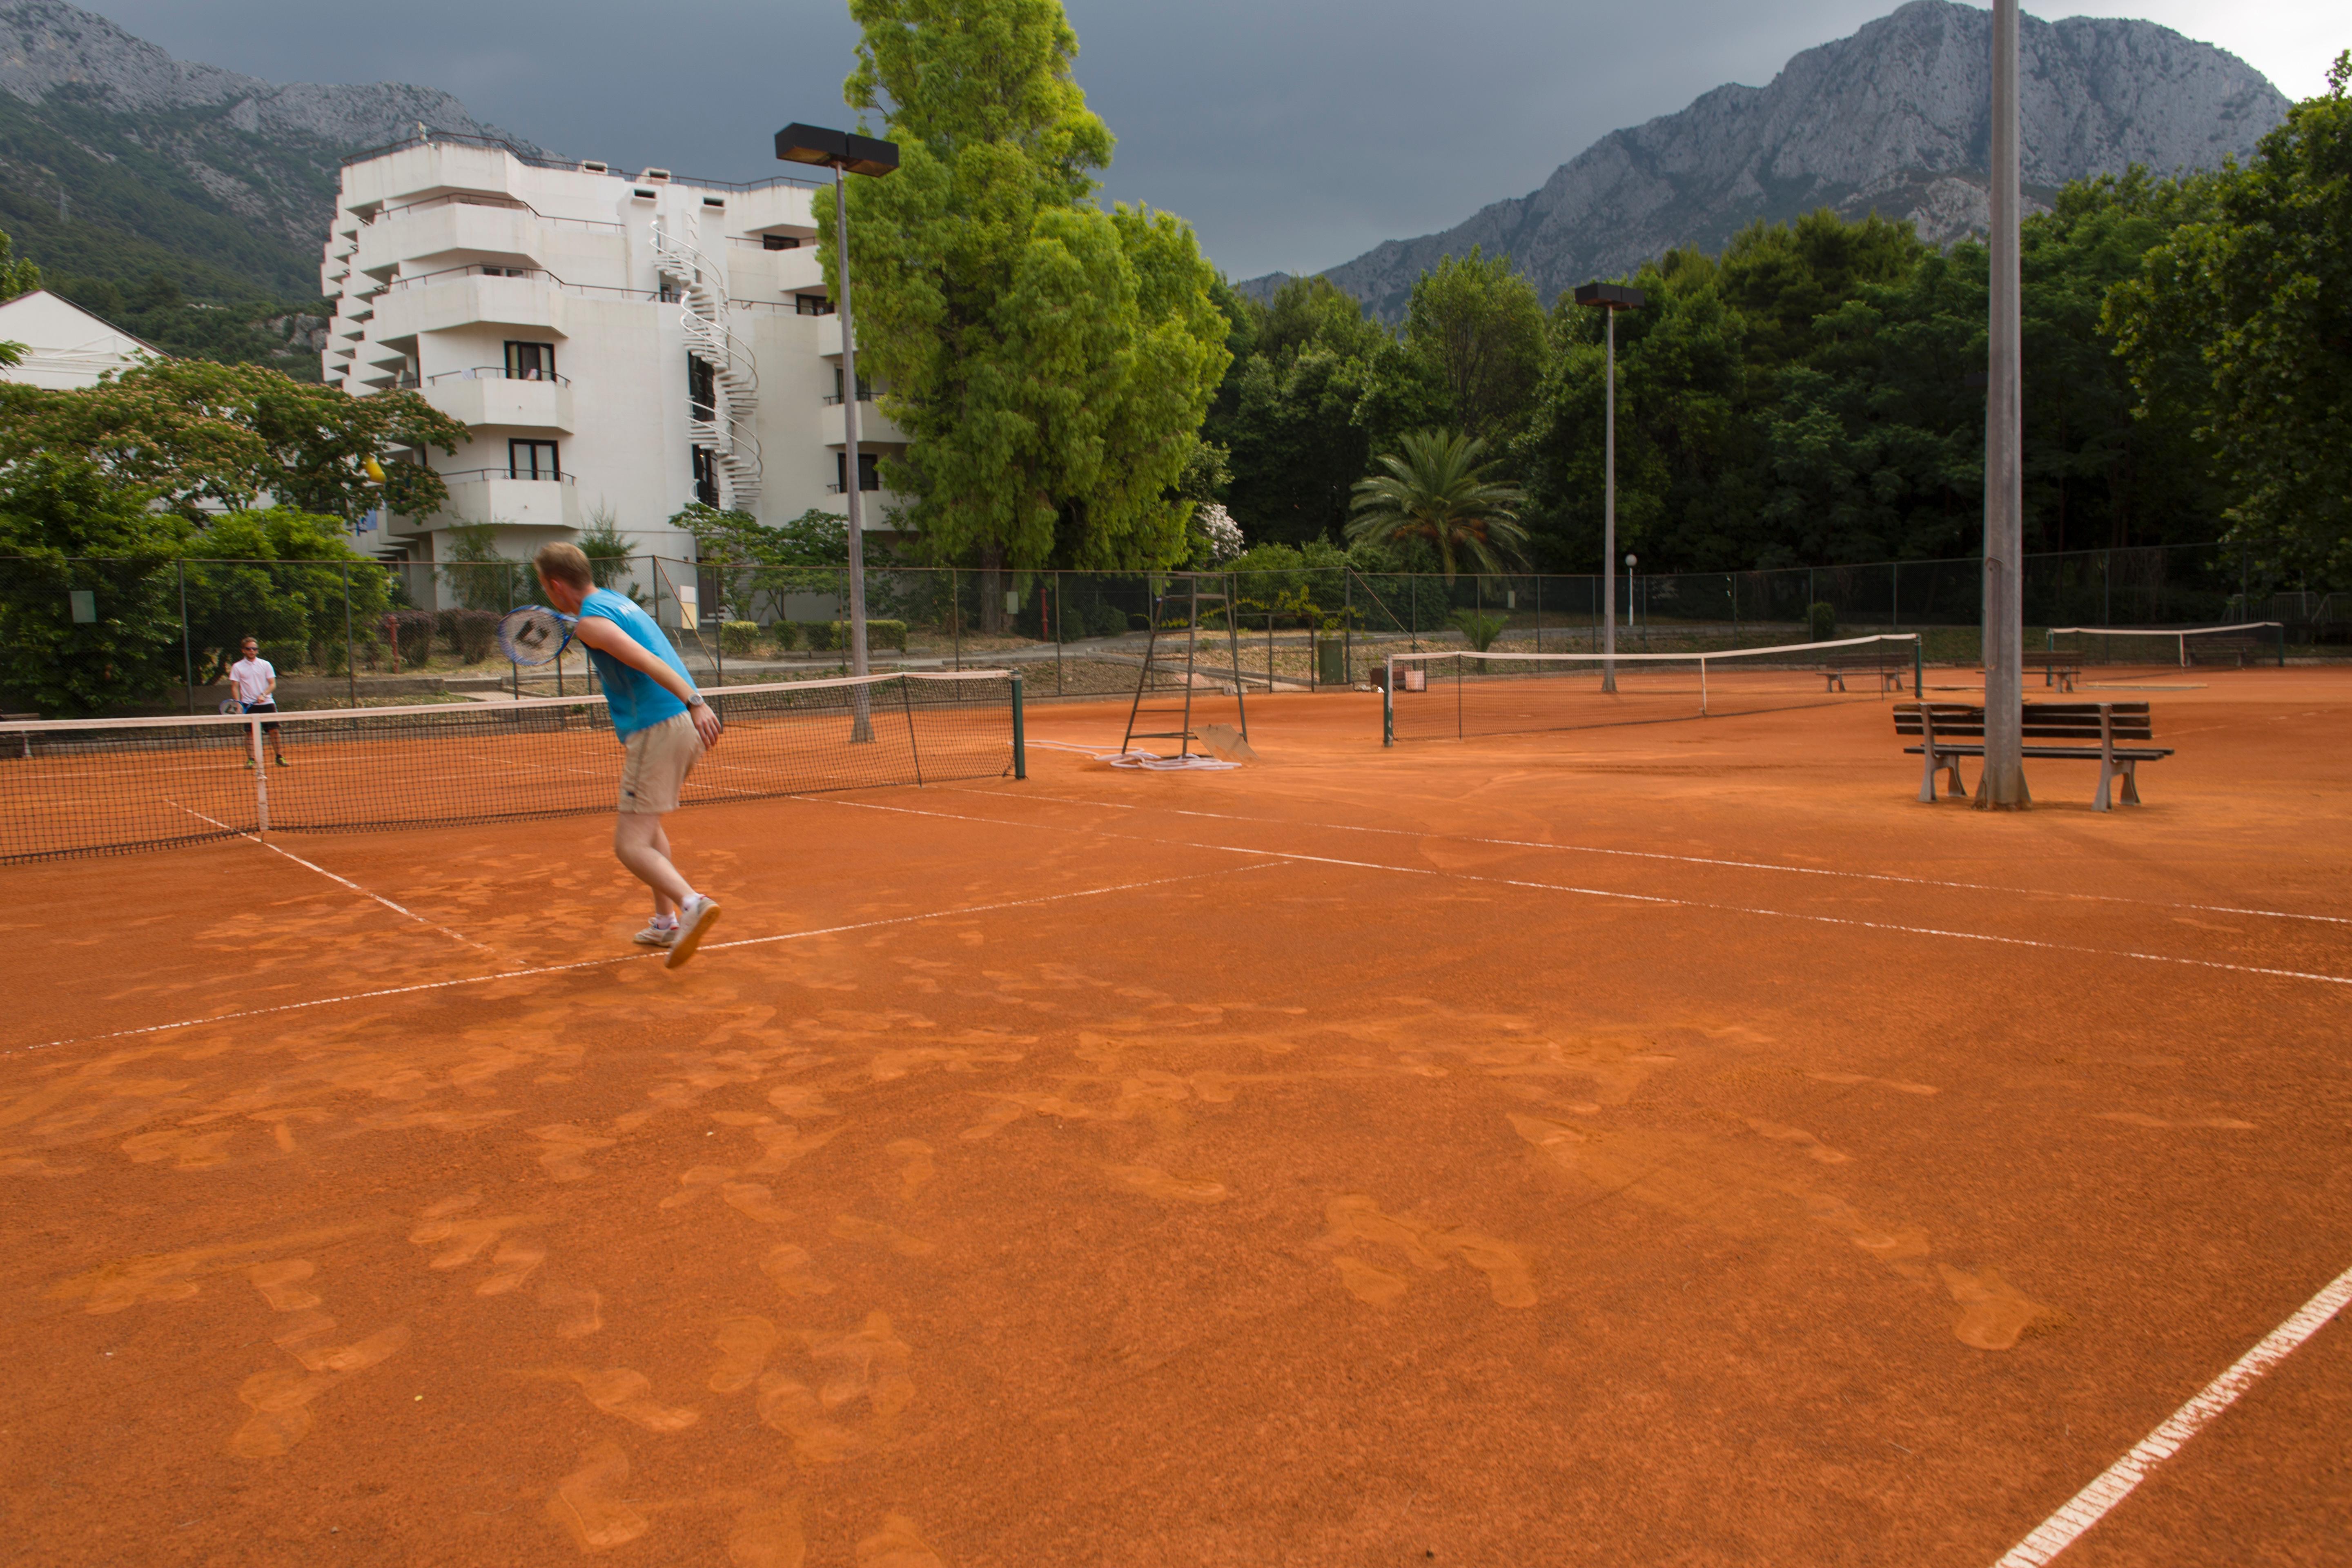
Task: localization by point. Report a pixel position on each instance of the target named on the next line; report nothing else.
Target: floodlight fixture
(1609, 297)
(844, 149)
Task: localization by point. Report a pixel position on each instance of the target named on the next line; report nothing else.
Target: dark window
(701, 391)
(531, 361)
(779, 242)
(705, 477)
(869, 478)
(812, 304)
(865, 387)
(531, 460)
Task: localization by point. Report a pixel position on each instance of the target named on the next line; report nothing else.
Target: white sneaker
(655, 936)
(694, 921)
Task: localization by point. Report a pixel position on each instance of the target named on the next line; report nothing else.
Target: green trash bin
(1330, 662)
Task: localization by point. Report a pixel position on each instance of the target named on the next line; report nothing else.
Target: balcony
(495, 495)
(486, 394)
(451, 226)
(874, 429)
(470, 295)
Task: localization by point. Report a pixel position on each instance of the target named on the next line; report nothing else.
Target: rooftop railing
(540, 160)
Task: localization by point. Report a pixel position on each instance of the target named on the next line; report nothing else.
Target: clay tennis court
(1669, 1143)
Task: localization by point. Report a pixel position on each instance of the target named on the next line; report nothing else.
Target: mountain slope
(1895, 118)
(118, 160)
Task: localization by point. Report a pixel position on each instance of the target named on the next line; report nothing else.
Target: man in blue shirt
(662, 723)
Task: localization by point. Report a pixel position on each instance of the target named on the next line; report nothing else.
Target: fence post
(955, 616)
(1348, 625)
(1539, 612)
(1061, 635)
(350, 654)
(187, 654)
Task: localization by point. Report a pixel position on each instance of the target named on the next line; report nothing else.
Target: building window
(868, 478)
(701, 390)
(532, 460)
(865, 387)
(812, 304)
(779, 242)
(705, 477)
(531, 361)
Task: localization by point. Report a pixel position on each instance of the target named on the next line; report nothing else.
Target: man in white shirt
(255, 681)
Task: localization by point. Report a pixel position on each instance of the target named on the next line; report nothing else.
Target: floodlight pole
(844, 154)
(851, 481)
(2003, 786)
(1611, 298)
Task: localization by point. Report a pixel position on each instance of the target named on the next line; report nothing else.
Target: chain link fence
(88, 636)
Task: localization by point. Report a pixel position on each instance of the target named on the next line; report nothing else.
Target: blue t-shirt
(637, 700)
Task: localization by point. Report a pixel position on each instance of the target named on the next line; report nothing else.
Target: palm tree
(1437, 489)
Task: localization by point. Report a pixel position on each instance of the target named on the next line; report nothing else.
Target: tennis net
(95, 786)
(2249, 642)
(1457, 694)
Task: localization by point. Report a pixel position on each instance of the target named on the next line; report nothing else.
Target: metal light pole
(1611, 297)
(844, 154)
(2003, 784)
(1629, 560)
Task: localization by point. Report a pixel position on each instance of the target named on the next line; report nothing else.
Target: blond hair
(565, 563)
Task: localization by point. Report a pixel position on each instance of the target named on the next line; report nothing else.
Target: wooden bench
(1946, 731)
(2241, 651)
(2058, 669)
(1893, 669)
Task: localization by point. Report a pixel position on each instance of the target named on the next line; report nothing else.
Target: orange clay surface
(1660, 1145)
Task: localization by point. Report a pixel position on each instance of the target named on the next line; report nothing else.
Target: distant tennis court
(1654, 1138)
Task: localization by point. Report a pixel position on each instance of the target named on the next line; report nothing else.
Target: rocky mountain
(118, 160)
(1895, 118)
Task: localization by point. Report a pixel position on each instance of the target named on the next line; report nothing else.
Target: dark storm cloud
(1292, 133)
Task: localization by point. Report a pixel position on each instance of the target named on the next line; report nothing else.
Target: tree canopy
(1049, 361)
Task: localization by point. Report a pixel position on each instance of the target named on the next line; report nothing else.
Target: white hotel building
(614, 345)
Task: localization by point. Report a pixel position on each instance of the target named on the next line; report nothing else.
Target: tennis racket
(232, 707)
(535, 635)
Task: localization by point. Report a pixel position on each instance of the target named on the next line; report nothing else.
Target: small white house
(66, 347)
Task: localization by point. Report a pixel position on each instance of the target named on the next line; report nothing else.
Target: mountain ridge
(1893, 118)
(118, 160)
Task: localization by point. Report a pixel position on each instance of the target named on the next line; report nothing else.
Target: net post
(1388, 705)
(260, 778)
(1919, 673)
(1702, 686)
(1020, 742)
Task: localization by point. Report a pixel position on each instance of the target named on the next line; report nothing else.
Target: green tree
(278, 576)
(1050, 361)
(2261, 291)
(1435, 489)
(205, 436)
(18, 276)
(1479, 328)
(69, 530)
(1286, 413)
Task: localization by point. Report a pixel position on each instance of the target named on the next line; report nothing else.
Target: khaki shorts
(660, 758)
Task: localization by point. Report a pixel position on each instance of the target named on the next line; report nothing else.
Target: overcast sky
(1294, 135)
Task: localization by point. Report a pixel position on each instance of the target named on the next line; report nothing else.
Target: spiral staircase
(723, 426)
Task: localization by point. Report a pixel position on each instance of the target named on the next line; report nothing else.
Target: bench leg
(1927, 778)
(2131, 781)
(1954, 789)
(2100, 802)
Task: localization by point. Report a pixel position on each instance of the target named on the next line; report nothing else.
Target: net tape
(2181, 635)
(83, 787)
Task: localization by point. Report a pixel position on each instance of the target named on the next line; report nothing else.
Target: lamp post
(1611, 297)
(2003, 784)
(846, 154)
(1630, 559)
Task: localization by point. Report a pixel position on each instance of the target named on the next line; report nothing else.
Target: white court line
(1612, 893)
(2091, 1504)
(631, 958)
(354, 886)
(1685, 859)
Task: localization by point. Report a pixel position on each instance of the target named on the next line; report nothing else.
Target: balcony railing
(475, 475)
(865, 395)
(495, 204)
(527, 274)
(495, 373)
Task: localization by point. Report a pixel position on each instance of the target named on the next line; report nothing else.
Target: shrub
(1106, 621)
(740, 638)
(412, 635)
(787, 635)
(1821, 621)
(1481, 627)
(473, 633)
(819, 635)
(878, 634)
